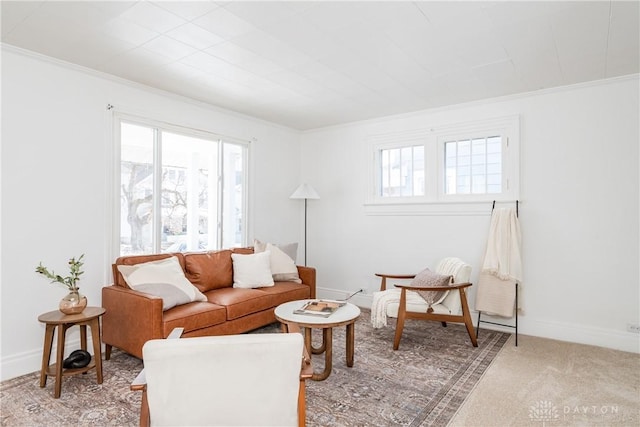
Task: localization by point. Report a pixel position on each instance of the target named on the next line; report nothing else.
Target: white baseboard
(609, 338)
(31, 361)
(20, 364)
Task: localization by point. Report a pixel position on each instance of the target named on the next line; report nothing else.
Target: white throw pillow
(252, 270)
(283, 268)
(163, 278)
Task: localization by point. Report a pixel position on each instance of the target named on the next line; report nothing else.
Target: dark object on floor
(77, 359)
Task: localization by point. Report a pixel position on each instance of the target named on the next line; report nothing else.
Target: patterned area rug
(422, 384)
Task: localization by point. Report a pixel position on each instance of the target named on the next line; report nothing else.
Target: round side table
(90, 316)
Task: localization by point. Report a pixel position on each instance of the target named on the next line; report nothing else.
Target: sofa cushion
(283, 292)
(209, 270)
(252, 271)
(242, 251)
(241, 302)
(193, 316)
(163, 278)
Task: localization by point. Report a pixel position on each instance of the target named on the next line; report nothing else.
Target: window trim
(435, 201)
(118, 118)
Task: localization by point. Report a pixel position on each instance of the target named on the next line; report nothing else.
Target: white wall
(579, 211)
(56, 185)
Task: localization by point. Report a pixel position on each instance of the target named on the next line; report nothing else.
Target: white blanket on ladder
(502, 265)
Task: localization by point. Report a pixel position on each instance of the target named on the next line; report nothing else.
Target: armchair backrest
(461, 272)
(234, 380)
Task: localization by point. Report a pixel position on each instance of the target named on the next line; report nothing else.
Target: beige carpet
(553, 383)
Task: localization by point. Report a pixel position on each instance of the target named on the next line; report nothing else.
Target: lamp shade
(305, 191)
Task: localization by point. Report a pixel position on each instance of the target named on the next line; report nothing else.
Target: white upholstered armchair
(404, 302)
(232, 380)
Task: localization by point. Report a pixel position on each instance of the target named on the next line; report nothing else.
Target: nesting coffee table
(344, 316)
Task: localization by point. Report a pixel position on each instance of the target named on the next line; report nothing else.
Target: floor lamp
(305, 191)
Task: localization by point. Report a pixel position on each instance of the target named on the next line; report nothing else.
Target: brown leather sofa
(132, 318)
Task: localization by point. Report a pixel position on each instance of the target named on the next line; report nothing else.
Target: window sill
(449, 208)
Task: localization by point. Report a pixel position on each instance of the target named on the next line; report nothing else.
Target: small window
(444, 169)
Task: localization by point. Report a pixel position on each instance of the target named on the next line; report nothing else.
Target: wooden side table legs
(62, 332)
(94, 324)
(46, 354)
(56, 320)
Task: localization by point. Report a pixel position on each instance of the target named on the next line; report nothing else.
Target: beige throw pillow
(427, 278)
(290, 249)
(164, 279)
(283, 268)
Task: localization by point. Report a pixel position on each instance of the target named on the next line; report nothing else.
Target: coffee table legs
(323, 346)
(350, 343)
(327, 348)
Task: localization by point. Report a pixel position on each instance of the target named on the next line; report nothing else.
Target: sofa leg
(107, 351)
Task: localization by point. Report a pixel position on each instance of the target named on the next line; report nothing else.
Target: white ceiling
(309, 64)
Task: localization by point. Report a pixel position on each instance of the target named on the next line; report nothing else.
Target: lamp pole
(305, 232)
(305, 191)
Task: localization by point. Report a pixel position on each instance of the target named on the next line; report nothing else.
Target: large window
(444, 169)
(179, 190)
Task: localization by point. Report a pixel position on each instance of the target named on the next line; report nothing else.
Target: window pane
(406, 171)
(187, 164)
(136, 189)
(464, 148)
(469, 163)
(418, 170)
(494, 144)
(402, 171)
(233, 190)
(463, 183)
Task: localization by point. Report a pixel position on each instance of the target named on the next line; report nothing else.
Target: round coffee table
(344, 316)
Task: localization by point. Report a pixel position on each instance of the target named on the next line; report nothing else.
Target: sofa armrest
(131, 319)
(308, 277)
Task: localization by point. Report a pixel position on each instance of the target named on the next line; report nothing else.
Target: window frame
(435, 200)
(158, 127)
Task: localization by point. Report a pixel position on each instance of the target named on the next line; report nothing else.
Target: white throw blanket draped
(502, 265)
(379, 306)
